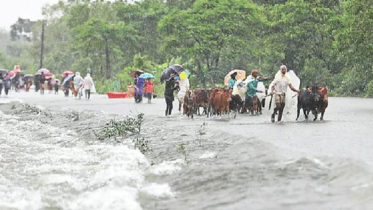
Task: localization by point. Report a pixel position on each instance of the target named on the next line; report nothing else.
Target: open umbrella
(241, 74)
(65, 73)
(67, 78)
(184, 74)
(133, 72)
(177, 67)
(167, 73)
(11, 74)
(43, 70)
(48, 75)
(3, 71)
(147, 76)
(26, 76)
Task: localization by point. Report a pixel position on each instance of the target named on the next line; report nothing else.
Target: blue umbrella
(67, 78)
(186, 72)
(147, 76)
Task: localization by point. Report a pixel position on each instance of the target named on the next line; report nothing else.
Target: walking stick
(270, 103)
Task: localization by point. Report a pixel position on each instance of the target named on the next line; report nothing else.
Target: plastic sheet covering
(291, 99)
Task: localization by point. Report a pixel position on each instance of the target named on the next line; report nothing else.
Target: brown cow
(202, 100)
(213, 93)
(254, 108)
(220, 101)
(323, 102)
(73, 91)
(225, 101)
(189, 103)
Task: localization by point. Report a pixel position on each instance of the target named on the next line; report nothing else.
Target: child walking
(149, 89)
(56, 86)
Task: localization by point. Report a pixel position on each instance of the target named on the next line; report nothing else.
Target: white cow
(240, 88)
(184, 87)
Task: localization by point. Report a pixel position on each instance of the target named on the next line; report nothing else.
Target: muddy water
(242, 163)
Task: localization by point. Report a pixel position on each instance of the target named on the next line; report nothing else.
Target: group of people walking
(143, 87)
(277, 90)
(77, 85)
(5, 83)
(44, 80)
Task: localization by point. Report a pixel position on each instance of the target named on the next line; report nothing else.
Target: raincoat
(140, 86)
(88, 82)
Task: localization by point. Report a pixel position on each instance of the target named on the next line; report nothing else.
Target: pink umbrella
(43, 70)
(11, 74)
(65, 73)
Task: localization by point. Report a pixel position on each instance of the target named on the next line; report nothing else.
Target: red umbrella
(48, 75)
(11, 74)
(65, 73)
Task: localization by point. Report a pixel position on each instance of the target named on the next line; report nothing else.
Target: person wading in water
(279, 88)
(42, 83)
(232, 80)
(252, 86)
(169, 93)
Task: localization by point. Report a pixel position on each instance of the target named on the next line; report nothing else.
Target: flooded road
(51, 162)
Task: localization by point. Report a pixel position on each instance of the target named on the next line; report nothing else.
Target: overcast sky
(10, 10)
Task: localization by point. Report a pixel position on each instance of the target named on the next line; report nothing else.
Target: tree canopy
(326, 42)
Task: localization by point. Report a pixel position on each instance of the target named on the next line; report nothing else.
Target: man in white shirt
(184, 87)
(88, 84)
(281, 83)
(78, 83)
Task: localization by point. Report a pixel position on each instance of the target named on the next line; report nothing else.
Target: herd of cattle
(218, 101)
(315, 99)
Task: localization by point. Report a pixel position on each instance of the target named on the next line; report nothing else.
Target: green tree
(302, 37)
(208, 30)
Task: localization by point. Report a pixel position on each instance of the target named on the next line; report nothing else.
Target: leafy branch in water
(201, 132)
(122, 128)
(182, 150)
(125, 128)
(142, 145)
(30, 110)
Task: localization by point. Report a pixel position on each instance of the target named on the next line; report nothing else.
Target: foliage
(210, 29)
(201, 132)
(326, 42)
(29, 109)
(182, 150)
(21, 29)
(122, 128)
(142, 145)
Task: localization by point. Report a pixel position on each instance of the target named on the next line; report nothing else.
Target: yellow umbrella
(183, 75)
(241, 74)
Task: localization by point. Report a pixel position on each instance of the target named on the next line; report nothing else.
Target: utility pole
(42, 44)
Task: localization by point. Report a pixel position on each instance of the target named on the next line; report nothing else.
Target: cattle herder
(279, 88)
(252, 86)
(170, 87)
(232, 80)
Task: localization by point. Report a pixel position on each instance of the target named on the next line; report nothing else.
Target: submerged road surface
(347, 130)
(204, 163)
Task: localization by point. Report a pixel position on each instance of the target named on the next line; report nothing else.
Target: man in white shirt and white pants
(281, 83)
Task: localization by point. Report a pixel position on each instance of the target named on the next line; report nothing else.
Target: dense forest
(326, 42)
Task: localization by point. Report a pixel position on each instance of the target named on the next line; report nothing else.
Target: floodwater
(52, 160)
